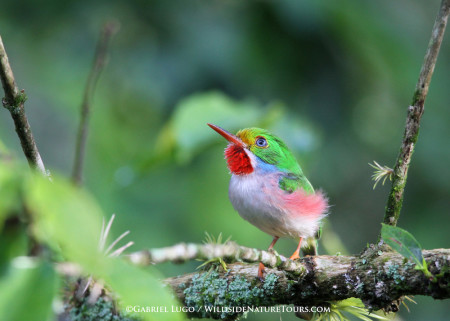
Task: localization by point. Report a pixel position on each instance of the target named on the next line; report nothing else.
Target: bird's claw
(261, 272)
(294, 256)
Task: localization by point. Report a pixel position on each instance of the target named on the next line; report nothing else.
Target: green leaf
(352, 306)
(66, 218)
(28, 289)
(404, 243)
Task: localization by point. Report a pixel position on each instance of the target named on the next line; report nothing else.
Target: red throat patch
(238, 161)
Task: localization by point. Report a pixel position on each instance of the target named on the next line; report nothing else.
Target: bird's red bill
(227, 135)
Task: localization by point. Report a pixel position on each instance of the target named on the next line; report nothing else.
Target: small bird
(268, 189)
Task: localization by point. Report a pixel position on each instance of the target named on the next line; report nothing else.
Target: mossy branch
(415, 112)
(378, 279)
(14, 101)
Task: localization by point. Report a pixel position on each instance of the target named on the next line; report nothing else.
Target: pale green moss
(210, 290)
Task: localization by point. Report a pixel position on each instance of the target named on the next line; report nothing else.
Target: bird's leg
(296, 254)
(275, 239)
(261, 266)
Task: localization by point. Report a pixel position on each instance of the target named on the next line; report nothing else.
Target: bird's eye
(261, 142)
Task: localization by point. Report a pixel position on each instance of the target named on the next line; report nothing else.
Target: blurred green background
(332, 78)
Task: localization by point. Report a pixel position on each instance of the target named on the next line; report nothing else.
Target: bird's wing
(290, 182)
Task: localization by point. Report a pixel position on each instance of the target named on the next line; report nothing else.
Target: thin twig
(14, 101)
(100, 60)
(415, 112)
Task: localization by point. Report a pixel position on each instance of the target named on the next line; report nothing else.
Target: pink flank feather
(300, 204)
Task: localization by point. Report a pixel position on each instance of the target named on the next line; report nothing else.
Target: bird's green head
(255, 147)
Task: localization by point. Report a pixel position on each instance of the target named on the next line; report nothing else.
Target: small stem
(100, 59)
(14, 101)
(415, 112)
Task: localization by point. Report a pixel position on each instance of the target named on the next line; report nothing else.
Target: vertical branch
(415, 112)
(14, 101)
(108, 31)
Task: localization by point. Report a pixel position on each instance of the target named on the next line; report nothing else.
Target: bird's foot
(295, 256)
(261, 271)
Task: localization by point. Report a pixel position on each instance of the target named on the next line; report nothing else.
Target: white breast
(249, 198)
(252, 198)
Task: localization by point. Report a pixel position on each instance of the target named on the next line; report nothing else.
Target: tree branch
(108, 31)
(230, 252)
(415, 112)
(379, 280)
(14, 101)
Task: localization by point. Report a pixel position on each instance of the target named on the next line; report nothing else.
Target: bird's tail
(312, 244)
(311, 247)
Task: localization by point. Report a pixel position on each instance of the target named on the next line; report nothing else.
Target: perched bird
(268, 189)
